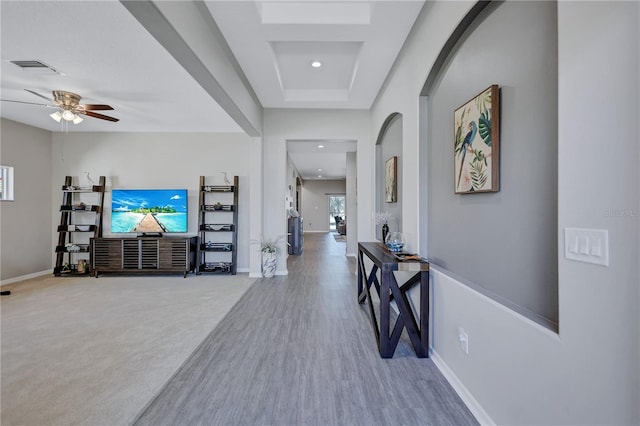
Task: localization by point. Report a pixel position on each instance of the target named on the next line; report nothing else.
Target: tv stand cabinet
(143, 255)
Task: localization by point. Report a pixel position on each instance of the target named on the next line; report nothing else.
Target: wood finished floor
(299, 350)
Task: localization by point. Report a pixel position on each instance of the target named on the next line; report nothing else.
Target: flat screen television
(149, 211)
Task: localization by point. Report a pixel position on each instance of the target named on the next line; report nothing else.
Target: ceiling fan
(68, 107)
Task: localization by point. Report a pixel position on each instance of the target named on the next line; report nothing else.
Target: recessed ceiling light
(320, 146)
(319, 170)
(319, 176)
(316, 64)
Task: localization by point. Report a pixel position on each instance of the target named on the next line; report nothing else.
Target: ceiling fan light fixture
(56, 116)
(77, 119)
(68, 115)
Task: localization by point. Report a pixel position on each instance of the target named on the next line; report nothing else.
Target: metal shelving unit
(217, 227)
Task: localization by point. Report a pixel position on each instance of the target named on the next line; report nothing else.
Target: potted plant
(270, 250)
(217, 206)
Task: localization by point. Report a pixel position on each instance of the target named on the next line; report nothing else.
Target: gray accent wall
(505, 242)
(25, 223)
(389, 145)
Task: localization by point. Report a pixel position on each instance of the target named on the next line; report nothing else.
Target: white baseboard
(259, 274)
(26, 277)
(472, 404)
(315, 232)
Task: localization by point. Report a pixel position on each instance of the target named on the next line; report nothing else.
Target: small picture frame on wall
(390, 180)
(477, 143)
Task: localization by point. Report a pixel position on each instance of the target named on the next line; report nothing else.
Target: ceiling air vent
(35, 65)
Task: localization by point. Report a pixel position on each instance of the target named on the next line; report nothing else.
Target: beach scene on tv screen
(149, 210)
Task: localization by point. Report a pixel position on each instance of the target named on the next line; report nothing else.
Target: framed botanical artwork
(477, 144)
(391, 180)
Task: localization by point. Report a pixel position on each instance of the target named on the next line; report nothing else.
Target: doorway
(337, 210)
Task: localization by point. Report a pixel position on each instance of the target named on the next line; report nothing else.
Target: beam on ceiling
(189, 33)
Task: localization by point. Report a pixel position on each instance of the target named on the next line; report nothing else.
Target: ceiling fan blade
(39, 95)
(29, 103)
(96, 115)
(95, 107)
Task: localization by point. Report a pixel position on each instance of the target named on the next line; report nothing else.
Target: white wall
(25, 223)
(518, 372)
(156, 160)
(352, 208)
(315, 203)
(281, 125)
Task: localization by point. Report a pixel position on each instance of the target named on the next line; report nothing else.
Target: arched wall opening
(503, 244)
(388, 146)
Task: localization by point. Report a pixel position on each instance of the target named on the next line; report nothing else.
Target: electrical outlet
(463, 339)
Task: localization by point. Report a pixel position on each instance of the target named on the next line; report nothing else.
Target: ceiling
(320, 159)
(104, 55)
(100, 51)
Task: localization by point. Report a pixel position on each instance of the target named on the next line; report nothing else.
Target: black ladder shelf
(218, 227)
(79, 222)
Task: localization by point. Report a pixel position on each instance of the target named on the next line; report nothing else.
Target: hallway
(298, 349)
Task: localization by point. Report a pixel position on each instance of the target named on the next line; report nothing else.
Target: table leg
(424, 313)
(360, 278)
(386, 348)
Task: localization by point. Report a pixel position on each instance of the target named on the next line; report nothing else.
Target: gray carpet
(95, 351)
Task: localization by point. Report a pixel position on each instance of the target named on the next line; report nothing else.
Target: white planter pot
(269, 261)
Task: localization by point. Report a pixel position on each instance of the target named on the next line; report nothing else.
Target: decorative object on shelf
(89, 180)
(217, 227)
(216, 267)
(217, 206)
(395, 242)
(390, 180)
(385, 231)
(71, 247)
(226, 179)
(217, 246)
(476, 143)
(383, 218)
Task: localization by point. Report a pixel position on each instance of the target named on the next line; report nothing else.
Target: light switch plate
(587, 245)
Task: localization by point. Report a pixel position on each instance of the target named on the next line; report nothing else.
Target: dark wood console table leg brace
(389, 290)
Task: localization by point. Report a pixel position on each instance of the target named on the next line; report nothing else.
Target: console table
(388, 290)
